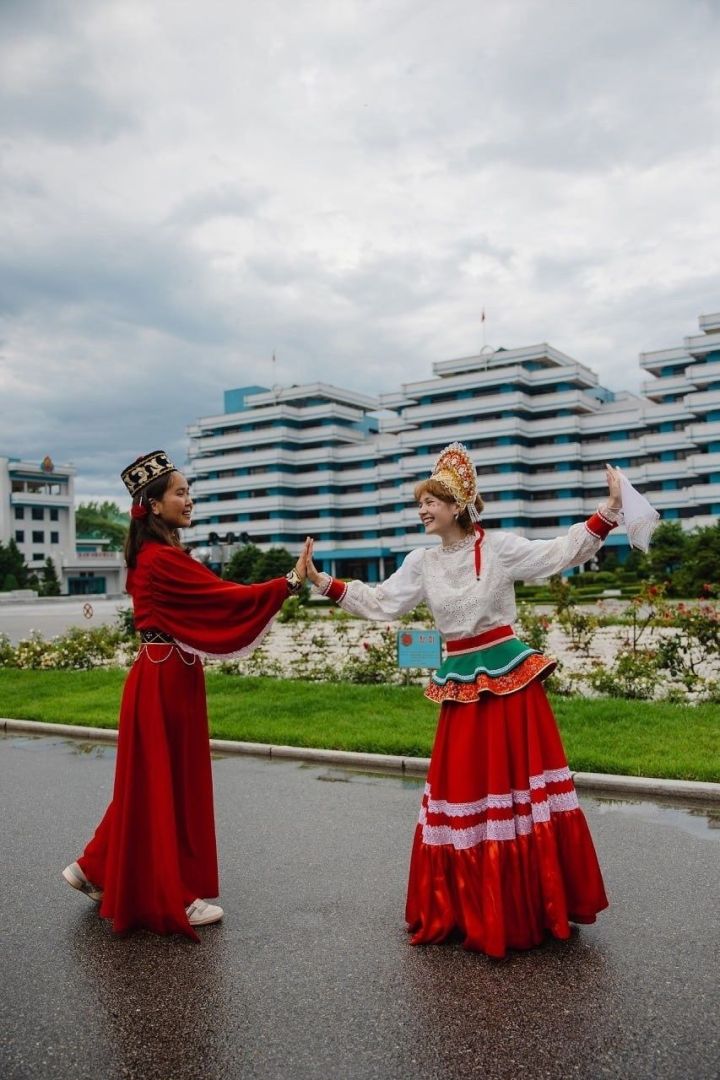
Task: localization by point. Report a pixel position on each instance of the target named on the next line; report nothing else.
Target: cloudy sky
(186, 188)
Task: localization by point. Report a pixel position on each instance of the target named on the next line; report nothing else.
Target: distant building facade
(37, 508)
(37, 511)
(316, 459)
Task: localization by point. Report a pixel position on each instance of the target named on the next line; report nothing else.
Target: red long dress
(154, 851)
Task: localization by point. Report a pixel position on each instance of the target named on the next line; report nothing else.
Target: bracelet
(294, 583)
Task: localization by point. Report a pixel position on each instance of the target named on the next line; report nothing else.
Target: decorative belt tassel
(478, 556)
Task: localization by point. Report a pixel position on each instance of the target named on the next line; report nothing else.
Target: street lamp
(222, 549)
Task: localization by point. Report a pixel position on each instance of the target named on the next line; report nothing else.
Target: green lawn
(634, 737)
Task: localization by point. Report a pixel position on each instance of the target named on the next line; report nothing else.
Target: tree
(104, 519)
(241, 567)
(636, 562)
(49, 585)
(668, 549)
(701, 563)
(273, 563)
(608, 559)
(12, 567)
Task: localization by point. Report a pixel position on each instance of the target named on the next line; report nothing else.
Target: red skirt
(154, 851)
(502, 852)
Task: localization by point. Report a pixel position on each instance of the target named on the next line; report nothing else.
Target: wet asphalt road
(311, 975)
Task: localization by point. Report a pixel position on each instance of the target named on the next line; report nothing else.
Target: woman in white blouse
(502, 853)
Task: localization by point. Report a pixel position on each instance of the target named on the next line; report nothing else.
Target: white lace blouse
(461, 605)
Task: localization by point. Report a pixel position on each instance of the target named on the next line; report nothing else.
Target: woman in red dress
(502, 852)
(153, 857)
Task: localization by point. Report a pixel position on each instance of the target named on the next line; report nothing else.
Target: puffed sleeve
(205, 614)
(532, 560)
(400, 593)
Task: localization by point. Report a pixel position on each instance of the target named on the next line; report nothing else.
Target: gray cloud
(227, 200)
(18, 18)
(63, 112)
(51, 77)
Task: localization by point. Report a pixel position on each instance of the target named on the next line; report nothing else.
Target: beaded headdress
(455, 471)
(146, 469)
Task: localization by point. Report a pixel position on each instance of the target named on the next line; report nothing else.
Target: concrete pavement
(311, 975)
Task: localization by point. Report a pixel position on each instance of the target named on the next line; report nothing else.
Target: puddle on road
(703, 821)
(44, 743)
(340, 775)
(76, 747)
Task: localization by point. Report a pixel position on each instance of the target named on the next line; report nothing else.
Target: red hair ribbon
(138, 510)
(478, 541)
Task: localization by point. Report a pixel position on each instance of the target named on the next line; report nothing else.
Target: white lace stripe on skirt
(506, 828)
(502, 829)
(499, 802)
(462, 839)
(551, 776)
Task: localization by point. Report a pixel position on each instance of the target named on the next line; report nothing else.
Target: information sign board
(419, 648)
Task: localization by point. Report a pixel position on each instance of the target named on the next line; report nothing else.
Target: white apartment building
(37, 508)
(315, 459)
(37, 511)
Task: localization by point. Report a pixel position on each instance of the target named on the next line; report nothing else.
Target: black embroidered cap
(146, 469)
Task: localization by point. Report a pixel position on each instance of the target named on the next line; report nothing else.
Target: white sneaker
(75, 877)
(200, 913)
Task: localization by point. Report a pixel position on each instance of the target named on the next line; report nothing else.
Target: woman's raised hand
(312, 571)
(301, 566)
(614, 489)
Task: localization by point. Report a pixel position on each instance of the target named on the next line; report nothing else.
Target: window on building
(690, 511)
(54, 537)
(38, 536)
(38, 513)
(38, 556)
(19, 513)
(54, 514)
(20, 536)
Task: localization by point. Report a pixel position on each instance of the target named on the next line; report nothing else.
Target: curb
(601, 783)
